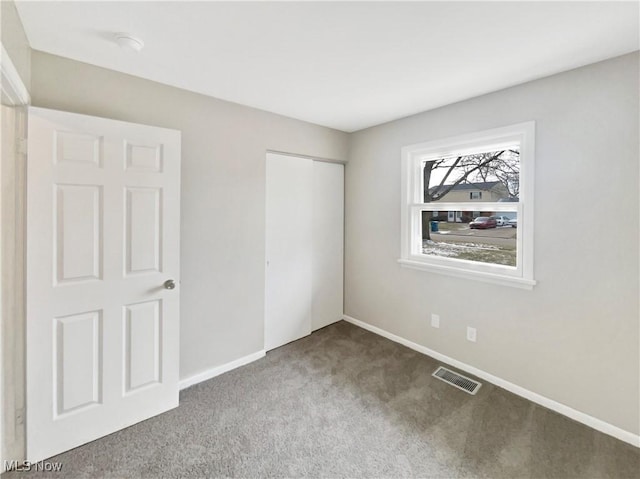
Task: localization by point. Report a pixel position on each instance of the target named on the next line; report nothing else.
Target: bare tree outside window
(479, 178)
(498, 170)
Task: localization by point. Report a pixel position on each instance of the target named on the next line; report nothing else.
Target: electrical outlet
(471, 334)
(435, 320)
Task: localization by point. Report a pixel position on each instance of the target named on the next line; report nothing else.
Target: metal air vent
(457, 380)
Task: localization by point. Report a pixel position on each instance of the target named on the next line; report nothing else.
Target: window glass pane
(481, 236)
(491, 176)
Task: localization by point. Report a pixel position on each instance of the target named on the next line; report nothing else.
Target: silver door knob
(169, 284)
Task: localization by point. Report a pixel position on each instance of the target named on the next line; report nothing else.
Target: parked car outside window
(502, 220)
(483, 223)
(513, 223)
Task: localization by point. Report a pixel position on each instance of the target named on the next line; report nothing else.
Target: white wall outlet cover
(471, 334)
(435, 320)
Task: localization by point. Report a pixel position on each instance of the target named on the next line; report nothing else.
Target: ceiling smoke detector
(129, 42)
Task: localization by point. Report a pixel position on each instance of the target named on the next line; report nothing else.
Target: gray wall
(575, 337)
(223, 191)
(15, 40)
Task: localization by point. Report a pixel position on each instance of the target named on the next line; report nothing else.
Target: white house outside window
(467, 205)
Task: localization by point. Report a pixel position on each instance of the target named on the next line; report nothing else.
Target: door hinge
(20, 416)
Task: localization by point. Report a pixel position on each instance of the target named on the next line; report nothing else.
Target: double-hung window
(467, 206)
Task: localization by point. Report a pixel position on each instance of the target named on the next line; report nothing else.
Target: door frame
(307, 157)
(14, 94)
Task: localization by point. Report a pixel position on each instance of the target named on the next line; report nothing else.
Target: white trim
(12, 85)
(218, 370)
(307, 157)
(14, 92)
(485, 277)
(587, 420)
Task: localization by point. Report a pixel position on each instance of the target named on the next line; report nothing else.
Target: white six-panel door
(304, 247)
(103, 222)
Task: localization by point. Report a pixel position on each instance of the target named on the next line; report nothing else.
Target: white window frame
(412, 205)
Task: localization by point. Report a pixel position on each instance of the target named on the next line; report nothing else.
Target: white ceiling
(343, 65)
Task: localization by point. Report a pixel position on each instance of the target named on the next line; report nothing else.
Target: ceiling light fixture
(129, 42)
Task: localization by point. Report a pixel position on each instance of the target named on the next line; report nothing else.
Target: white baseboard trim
(581, 417)
(218, 370)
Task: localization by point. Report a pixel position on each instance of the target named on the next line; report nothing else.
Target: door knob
(169, 284)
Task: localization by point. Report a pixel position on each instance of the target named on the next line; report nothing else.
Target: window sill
(503, 280)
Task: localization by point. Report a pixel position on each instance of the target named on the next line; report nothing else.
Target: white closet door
(289, 209)
(328, 244)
